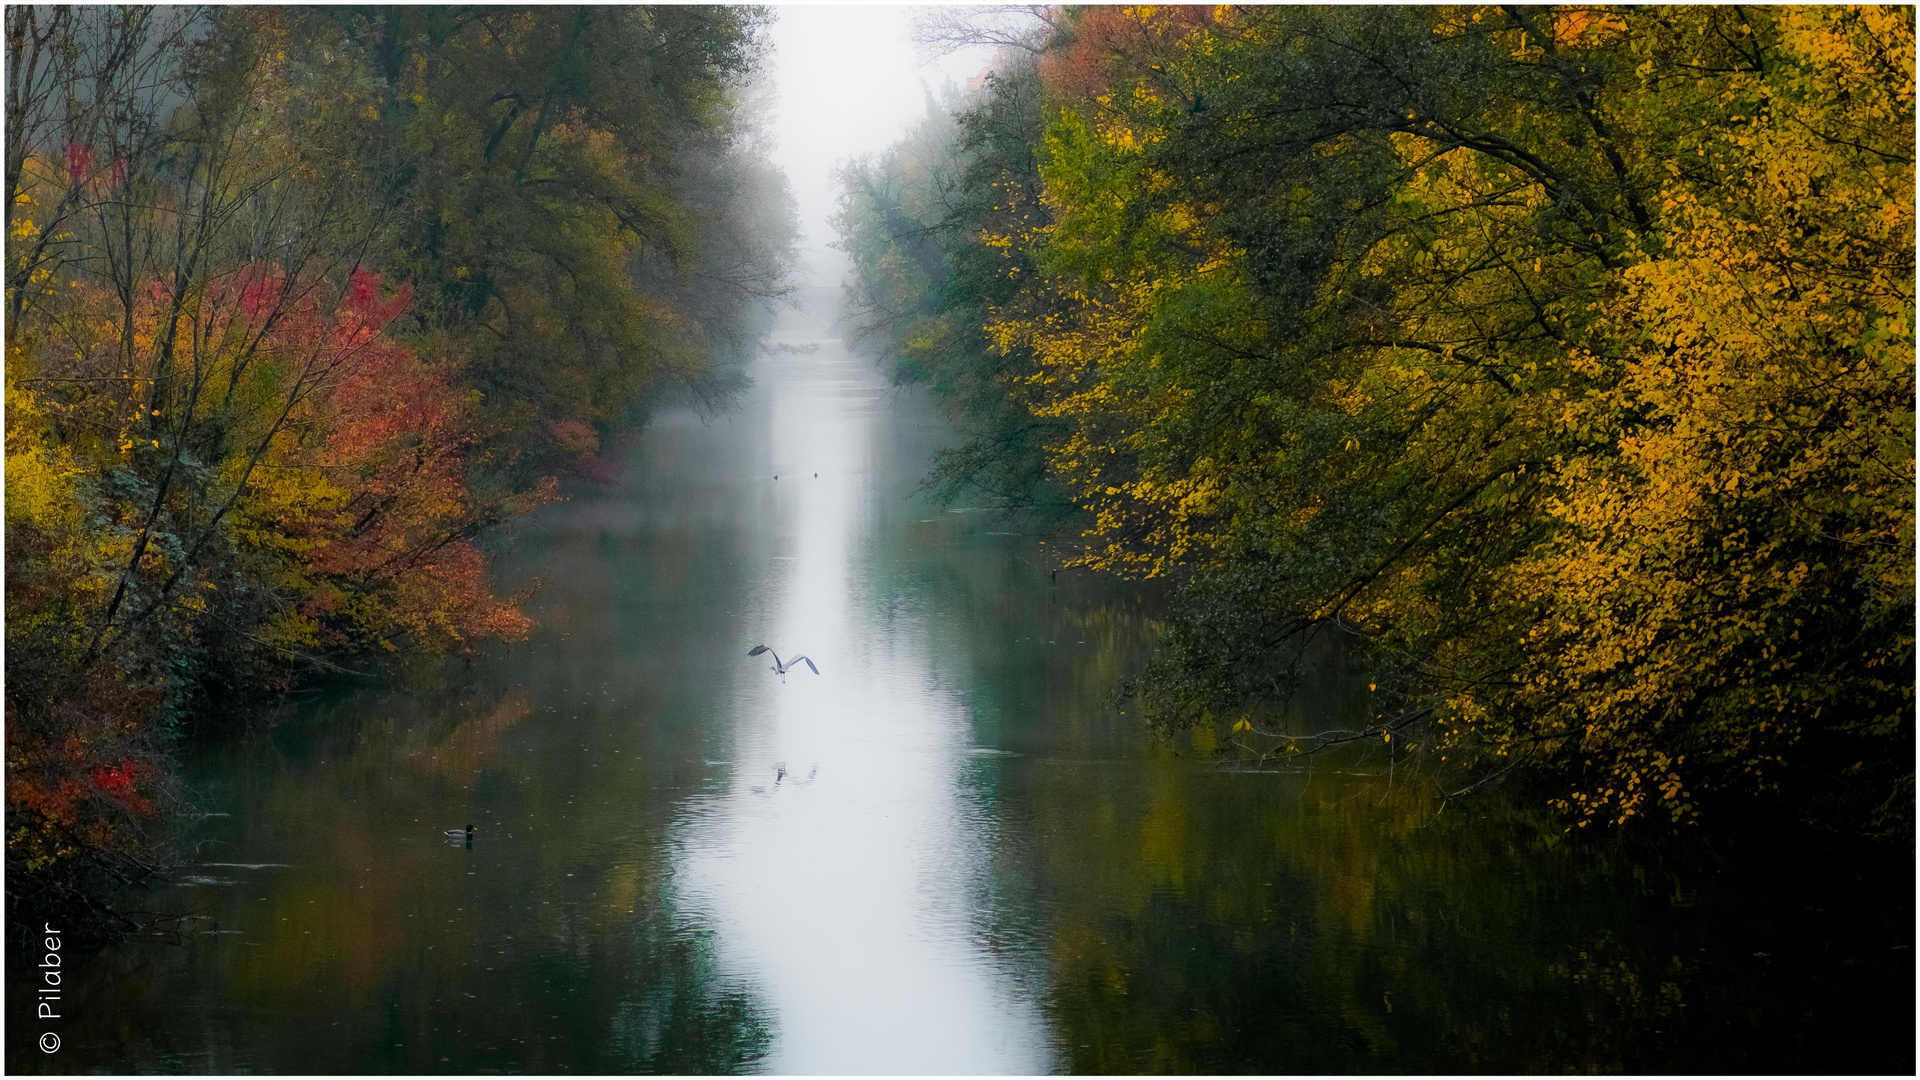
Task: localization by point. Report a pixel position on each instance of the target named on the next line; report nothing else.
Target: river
(949, 851)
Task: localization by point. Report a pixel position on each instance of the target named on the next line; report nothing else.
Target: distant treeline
(302, 301)
(1560, 360)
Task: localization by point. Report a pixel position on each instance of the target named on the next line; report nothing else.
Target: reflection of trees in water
(1205, 922)
(688, 1020)
(368, 952)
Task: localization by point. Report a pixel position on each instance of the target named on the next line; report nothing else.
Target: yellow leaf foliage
(1588, 389)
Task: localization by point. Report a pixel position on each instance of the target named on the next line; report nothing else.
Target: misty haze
(959, 540)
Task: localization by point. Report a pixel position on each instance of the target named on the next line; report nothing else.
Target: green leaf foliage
(1560, 361)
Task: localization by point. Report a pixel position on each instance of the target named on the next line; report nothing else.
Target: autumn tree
(587, 216)
(303, 303)
(1558, 360)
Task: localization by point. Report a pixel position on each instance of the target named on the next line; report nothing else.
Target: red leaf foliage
(398, 555)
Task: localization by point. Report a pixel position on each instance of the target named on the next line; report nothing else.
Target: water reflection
(1302, 923)
(849, 898)
(972, 862)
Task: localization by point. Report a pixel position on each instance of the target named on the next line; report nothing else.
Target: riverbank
(971, 863)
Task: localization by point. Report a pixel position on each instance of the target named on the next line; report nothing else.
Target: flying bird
(779, 668)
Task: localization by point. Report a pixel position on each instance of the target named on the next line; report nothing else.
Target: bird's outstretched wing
(809, 663)
(757, 650)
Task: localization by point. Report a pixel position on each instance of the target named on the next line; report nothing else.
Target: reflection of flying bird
(780, 773)
(779, 668)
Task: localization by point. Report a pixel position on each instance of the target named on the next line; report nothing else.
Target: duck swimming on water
(457, 835)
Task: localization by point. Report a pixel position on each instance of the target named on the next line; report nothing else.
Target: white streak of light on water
(848, 902)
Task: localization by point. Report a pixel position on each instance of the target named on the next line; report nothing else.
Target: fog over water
(847, 81)
(951, 849)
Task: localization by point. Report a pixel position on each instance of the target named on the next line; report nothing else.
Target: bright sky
(848, 80)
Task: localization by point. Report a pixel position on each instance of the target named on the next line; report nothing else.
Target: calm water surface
(947, 852)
